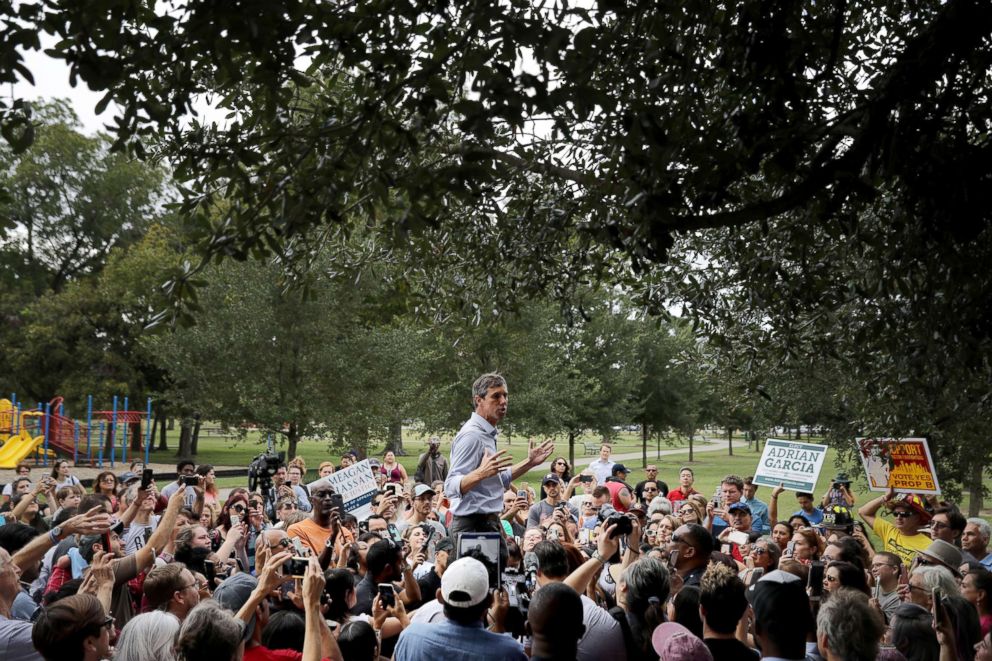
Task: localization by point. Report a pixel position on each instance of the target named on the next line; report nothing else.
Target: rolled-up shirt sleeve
(466, 455)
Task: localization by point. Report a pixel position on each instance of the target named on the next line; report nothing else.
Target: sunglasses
(282, 543)
(902, 514)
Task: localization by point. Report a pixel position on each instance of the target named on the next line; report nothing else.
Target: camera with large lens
(262, 468)
(519, 594)
(609, 517)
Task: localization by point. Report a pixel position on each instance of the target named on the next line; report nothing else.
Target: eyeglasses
(902, 514)
(282, 543)
(323, 494)
(108, 623)
(677, 539)
(194, 584)
(759, 551)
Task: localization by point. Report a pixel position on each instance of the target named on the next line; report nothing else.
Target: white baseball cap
(465, 583)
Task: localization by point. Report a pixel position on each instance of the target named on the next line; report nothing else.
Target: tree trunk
(975, 487)
(395, 442)
(571, 448)
(730, 441)
(172, 424)
(195, 441)
(692, 434)
(644, 445)
(657, 450)
(108, 443)
(185, 438)
(292, 439)
(137, 438)
(163, 435)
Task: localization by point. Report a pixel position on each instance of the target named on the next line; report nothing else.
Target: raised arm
(605, 548)
(868, 510)
(773, 504)
(163, 531)
(90, 523)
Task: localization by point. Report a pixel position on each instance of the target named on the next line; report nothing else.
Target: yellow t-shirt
(904, 546)
(310, 534)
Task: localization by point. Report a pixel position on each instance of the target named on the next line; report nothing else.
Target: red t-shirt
(676, 495)
(615, 488)
(263, 653)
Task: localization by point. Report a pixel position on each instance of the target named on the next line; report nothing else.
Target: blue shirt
(467, 450)
(447, 640)
(759, 516)
(987, 562)
(815, 517)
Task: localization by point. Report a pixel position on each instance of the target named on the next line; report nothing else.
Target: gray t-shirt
(603, 639)
(542, 510)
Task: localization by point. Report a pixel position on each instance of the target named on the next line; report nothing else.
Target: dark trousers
(480, 523)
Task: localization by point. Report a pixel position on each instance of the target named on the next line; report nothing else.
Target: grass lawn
(710, 466)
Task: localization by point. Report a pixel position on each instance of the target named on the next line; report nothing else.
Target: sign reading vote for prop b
(794, 465)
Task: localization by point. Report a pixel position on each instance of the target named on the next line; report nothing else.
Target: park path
(701, 445)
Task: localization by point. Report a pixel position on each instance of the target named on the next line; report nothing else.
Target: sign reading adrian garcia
(792, 464)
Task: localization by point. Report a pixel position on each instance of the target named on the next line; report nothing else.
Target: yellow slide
(20, 446)
(17, 448)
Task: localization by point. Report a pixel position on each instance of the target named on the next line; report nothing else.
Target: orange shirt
(310, 534)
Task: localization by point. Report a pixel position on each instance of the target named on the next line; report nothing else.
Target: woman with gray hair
(148, 636)
(642, 594)
(210, 633)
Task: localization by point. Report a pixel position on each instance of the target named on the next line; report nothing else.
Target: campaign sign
(904, 464)
(792, 464)
(356, 484)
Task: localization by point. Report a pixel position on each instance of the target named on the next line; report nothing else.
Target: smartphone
(428, 534)
(235, 520)
(210, 572)
(585, 479)
(790, 548)
(189, 480)
(522, 493)
(903, 575)
(295, 567)
(485, 544)
(815, 582)
(938, 605)
(876, 591)
(395, 488)
(146, 478)
(337, 503)
(394, 532)
(106, 542)
(387, 595)
(738, 537)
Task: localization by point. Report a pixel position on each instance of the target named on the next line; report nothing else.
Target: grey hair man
(975, 540)
(848, 628)
(925, 578)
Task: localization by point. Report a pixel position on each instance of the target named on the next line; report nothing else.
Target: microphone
(531, 565)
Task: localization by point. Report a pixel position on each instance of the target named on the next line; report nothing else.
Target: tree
(70, 201)
(655, 119)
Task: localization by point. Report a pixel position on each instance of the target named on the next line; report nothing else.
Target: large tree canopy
(554, 135)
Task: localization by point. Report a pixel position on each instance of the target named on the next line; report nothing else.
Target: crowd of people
(593, 568)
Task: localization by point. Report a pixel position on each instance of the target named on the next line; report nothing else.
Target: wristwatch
(55, 534)
(596, 556)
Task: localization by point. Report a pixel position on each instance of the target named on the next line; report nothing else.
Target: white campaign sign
(792, 464)
(356, 485)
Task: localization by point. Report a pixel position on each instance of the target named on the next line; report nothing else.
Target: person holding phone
(316, 532)
(480, 472)
(423, 497)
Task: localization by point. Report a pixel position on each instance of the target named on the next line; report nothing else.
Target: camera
(609, 516)
(295, 567)
(262, 468)
(519, 594)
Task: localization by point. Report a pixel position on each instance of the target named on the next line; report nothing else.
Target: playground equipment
(26, 441)
(48, 431)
